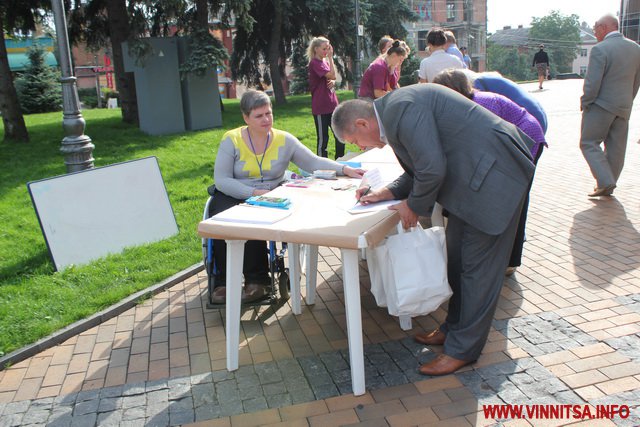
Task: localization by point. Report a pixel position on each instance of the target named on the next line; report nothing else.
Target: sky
(520, 12)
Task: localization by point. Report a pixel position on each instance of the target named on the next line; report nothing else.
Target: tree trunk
(14, 127)
(202, 14)
(119, 32)
(274, 54)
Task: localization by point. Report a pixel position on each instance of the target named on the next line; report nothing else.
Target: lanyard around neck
(259, 162)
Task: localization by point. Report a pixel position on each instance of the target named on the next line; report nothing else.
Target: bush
(38, 88)
(109, 93)
(88, 97)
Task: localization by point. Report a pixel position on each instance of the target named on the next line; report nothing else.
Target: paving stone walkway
(566, 332)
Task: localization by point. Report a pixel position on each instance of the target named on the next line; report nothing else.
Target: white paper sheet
(372, 207)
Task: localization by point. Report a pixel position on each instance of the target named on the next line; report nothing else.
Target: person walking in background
(322, 81)
(611, 83)
(541, 63)
(474, 164)
(377, 79)
(439, 59)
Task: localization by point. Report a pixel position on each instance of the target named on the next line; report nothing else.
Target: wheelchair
(279, 287)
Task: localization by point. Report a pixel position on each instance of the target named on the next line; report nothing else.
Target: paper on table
(252, 214)
(372, 207)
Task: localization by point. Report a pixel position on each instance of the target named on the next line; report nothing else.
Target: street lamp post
(76, 146)
(357, 75)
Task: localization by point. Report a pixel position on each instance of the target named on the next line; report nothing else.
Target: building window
(422, 40)
(451, 11)
(468, 11)
(583, 53)
(583, 70)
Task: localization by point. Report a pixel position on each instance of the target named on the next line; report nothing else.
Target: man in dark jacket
(474, 164)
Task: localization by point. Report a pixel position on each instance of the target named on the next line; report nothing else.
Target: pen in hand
(364, 194)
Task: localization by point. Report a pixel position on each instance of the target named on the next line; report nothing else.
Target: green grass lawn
(35, 300)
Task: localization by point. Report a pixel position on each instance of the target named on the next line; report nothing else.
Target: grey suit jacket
(613, 75)
(455, 152)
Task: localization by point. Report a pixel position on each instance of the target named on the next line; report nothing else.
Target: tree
(38, 87)
(387, 18)
(561, 36)
(260, 50)
(103, 23)
(299, 62)
(409, 68)
(22, 16)
(509, 62)
(282, 30)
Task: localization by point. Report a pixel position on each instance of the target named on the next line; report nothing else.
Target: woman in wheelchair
(251, 161)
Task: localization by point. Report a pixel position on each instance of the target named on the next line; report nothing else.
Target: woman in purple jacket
(507, 110)
(322, 81)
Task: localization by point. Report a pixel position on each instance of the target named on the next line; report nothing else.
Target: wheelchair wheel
(284, 285)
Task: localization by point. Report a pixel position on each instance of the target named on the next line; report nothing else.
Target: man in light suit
(611, 83)
(478, 167)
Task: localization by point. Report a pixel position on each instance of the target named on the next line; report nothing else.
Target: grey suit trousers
(598, 126)
(476, 265)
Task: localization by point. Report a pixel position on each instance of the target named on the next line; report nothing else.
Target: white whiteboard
(89, 214)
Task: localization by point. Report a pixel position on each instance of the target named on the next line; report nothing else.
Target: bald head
(605, 25)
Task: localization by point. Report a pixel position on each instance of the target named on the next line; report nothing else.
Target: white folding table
(318, 218)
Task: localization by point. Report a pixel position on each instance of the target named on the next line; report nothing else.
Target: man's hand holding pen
(366, 195)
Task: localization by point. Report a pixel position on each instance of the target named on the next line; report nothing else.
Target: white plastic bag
(409, 271)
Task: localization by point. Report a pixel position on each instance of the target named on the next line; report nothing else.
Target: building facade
(630, 19)
(467, 19)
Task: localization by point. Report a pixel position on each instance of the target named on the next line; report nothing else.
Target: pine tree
(38, 88)
(299, 62)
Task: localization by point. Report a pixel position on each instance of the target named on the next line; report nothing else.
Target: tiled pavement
(567, 331)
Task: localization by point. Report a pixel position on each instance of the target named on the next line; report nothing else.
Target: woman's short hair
(436, 37)
(455, 79)
(313, 44)
(382, 44)
(253, 99)
(399, 48)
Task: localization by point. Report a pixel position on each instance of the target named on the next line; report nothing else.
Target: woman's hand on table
(353, 172)
(366, 195)
(259, 192)
(408, 217)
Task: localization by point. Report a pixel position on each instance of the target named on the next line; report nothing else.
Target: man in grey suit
(611, 83)
(478, 167)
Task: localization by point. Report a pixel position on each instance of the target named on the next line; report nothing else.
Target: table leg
(312, 273)
(405, 322)
(294, 277)
(235, 258)
(351, 283)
